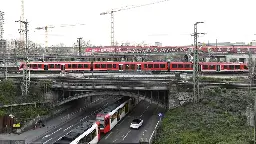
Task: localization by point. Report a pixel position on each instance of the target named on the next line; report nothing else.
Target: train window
(187, 65)
(145, 66)
(74, 65)
(156, 65)
(212, 67)
(86, 66)
(39, 65)
(98, 59)
(150, 65)
(69, 65)
(89, 137)
(237, 66)
(127, 66)
(80, 66)
(174, 65)
(225, 67)
(245, 67)
(106, 121)
(133, 66)
(109, 65)
(162, 65)
(231, 67)
(205, 66)
(114, 65)
(57, 66)
(51, 66)
(180, 65)
(97, 65)
(34, 65)
(103, 65)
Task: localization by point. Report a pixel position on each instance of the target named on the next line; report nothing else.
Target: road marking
(108, 135)
(147, 107)
(46, 136)
(126, 134)
(115, 140)
(55, 131)
(47, 141)
(68, 128)
(59, 138)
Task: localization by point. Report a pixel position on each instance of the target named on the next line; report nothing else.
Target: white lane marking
(46, 136)
(56, 131)
(47, 141)
(126, 134)
(68, 128)
(108, 135)
(115, 140)
(59, 138)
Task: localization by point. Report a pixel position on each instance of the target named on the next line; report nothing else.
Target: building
(2, 46)
(158, 44)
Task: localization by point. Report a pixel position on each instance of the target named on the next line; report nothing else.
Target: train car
(134, 66)
(112, 114)
(87, 132)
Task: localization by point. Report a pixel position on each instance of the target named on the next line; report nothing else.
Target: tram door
(62, 67)
(218, 68)
(121, 67)
(138, 67)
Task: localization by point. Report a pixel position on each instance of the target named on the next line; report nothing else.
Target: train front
(103, 119)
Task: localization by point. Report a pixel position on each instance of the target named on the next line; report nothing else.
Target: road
(58, 132)
(122, 132)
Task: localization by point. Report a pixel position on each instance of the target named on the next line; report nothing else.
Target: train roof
(113, 106)
(76, 132)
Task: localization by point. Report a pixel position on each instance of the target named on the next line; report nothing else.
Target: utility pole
(4, 44)
(26, 71)
(79, 45)
(196, 92)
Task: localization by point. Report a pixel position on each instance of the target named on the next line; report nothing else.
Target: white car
(136, 123)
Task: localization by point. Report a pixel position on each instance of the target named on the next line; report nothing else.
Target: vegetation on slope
(11, 94)
(218, 118)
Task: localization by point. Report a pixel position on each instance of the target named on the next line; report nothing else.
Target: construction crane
(121, 9)
(22, 28)
(46, 32)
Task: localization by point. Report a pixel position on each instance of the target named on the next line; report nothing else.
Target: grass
(219, 118)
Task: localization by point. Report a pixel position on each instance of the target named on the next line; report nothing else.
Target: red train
(135, 66)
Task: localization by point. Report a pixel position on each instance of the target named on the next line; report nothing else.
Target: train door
(168, 66)
(120, 67)
(119, 113)
(45, 66)
(218, 68)
(138, 67)
(62, 67)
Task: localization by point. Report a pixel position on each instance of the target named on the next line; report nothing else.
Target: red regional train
(134, 66)
(114, 113)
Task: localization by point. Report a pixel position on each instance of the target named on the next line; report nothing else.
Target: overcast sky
(170, 22)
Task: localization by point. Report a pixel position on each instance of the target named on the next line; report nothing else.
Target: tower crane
(111, 12)
(46, 32)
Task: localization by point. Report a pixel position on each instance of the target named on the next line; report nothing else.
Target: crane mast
(22, 27)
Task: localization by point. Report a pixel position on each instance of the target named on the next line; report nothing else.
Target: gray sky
(170, 22)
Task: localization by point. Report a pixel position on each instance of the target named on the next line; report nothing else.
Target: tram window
(89, 137)
(133, 66)
(51, 66)
(34, 65)
(86, 66)
(245, 67)
(94, 133)
(180, 65)
(174, 65)
(150, 65)
(103, 65)
(69, 65)
(114, 65)
(39, 65)
(162, 65)
(74, 65)
(205, 66)
(145, 66)
(57, 65)
(97, 65)
(187, 66)
(80, 66)
(237, 66)
(156, 65)
(212, 66)
(98, 59)
(225, 67)
(109, 65)
(231, 67)
(106, 121)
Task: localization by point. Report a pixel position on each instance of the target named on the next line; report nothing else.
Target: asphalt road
(122, 132)
(58, 132)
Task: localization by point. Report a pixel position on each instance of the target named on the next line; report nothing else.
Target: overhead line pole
(196, 90)
(79, 46)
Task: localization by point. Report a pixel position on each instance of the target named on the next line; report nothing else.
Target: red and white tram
(135, 66)
(112, 114)
(87, 132)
